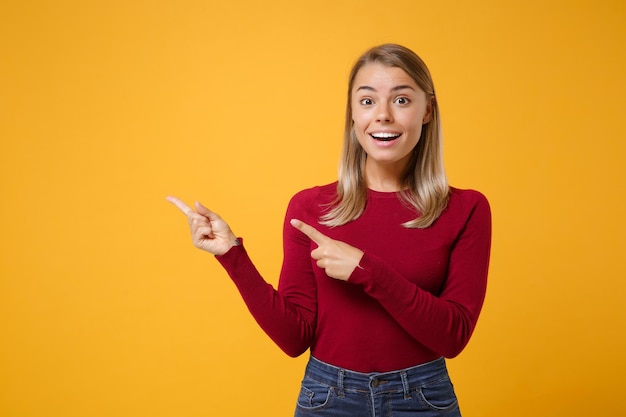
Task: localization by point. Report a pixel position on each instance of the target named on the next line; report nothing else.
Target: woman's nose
(384, 114)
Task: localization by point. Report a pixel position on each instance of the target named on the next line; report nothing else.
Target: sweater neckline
(382, 194)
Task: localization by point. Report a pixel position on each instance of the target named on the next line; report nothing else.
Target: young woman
(384, 271)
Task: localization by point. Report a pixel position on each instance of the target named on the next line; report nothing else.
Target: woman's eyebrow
(396, 88)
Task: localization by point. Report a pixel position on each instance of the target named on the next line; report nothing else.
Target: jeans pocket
(438, 395)
(314, 395)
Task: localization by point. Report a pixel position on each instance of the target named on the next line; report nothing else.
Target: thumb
(200, 209)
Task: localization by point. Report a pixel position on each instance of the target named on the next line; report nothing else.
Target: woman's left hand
(337, 258)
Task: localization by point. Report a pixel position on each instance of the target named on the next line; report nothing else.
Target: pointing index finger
(311, 232)
(181, 205)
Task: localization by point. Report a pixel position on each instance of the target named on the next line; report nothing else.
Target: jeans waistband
(402, 379)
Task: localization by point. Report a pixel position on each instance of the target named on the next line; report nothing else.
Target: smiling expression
(388, 111)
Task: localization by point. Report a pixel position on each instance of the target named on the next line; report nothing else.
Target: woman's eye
(402, 100)
(366, 101)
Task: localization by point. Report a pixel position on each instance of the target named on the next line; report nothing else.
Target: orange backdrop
(108, 106)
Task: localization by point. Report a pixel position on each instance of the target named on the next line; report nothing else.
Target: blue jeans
(421, 391)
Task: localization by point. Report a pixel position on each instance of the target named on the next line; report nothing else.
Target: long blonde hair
(424, 184)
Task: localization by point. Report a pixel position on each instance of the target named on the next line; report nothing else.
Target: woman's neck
(383, 177)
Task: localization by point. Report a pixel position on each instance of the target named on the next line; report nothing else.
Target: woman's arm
(287, 315)
(443, 322)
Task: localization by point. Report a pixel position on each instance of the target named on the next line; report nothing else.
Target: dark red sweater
(416, 297)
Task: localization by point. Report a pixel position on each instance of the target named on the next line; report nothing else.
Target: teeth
(385, 135)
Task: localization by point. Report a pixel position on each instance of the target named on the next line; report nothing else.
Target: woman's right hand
(209, 231)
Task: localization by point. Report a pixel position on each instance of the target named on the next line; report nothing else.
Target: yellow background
(106, 107)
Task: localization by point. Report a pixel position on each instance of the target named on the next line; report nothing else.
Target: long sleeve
(416, 297)
(287, 315)
(444, 321)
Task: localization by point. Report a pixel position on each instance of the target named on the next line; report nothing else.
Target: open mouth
(385, 136)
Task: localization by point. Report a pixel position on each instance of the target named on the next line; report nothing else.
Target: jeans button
(374, 383)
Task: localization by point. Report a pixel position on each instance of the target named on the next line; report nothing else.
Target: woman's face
(388, 111)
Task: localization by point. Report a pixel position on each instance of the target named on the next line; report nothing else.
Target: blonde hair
(424, 184)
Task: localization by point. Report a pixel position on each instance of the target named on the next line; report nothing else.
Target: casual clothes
(424, 390)
(414, 298)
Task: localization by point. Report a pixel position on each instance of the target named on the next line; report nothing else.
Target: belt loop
(340, 378)
(405, 385)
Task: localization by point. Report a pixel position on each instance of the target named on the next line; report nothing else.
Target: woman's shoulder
(314, 199)
(467, 194)
(468, 211)
(318, 194)
(467, 199)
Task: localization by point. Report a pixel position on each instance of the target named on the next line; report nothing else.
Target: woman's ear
(428, 116)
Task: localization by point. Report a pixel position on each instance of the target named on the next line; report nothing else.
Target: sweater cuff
(362, 274)
(233, 256)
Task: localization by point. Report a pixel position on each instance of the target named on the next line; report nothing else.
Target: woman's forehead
(375, 77)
